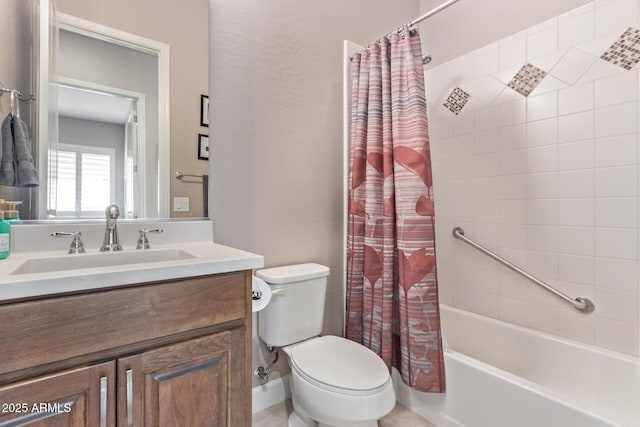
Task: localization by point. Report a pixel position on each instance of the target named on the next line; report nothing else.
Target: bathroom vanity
(92, 348)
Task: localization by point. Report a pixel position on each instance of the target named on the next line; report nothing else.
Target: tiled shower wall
(549, 180)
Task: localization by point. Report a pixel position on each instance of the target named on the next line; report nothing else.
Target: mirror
(119, 92)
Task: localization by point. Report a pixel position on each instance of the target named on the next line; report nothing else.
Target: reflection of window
(85, 180)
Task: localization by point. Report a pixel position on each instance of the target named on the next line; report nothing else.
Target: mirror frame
(112, 35)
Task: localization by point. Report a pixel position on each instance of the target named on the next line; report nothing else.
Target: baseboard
(275, 391)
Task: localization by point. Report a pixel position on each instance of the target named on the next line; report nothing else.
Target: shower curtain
(392, 293)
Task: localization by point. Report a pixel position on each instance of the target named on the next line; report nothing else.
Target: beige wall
(470, 24)
(276, 85)
(184, 26)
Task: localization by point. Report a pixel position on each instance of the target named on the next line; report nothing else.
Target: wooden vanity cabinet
(161, 354)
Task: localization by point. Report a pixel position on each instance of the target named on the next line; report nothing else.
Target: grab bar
(582, 304)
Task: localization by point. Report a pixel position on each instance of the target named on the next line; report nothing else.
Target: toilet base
(296, 421)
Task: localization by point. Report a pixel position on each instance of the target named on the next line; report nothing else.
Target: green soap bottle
(5, 237)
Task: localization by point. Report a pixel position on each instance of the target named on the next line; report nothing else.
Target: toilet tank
(296, 310)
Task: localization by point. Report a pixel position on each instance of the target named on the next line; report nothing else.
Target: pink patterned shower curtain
(392, 291)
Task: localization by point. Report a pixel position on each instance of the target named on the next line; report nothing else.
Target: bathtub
(503, 375)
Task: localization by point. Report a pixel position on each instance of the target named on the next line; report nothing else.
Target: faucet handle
(143, 242)
(76, 244)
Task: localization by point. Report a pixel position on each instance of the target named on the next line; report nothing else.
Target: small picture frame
(204, 110)
(203, 147)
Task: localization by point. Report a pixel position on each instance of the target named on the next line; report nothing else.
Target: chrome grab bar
(582, 304)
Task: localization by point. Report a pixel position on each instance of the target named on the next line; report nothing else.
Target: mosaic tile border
(624, 52)
(527, 79)
(456, 100)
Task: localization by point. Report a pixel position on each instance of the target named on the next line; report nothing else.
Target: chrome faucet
(110, 242)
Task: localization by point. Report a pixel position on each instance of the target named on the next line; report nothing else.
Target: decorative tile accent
(624, 52)
(457, 100)
(527, 79)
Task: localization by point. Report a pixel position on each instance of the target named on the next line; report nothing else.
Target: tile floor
(276, 416)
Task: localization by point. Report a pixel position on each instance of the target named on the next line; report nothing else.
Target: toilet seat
(339, 365)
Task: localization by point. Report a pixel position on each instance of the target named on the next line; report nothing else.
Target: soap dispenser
(5, 237)
(10, 212)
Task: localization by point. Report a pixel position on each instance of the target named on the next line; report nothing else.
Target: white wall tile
(541, 133)
(617, 120)
(542, 317)
(542, 238)
(576, 155)
(513, 51)
(616, 243)
(615, 16)
(513, 211)
(488, 141)
(618, 274)
(576, 212)
(542, 39)
(617, 89)
(576, 240)
(513, 186)
(576, 127)
(576, 326)
(487, 304)
(577, 269)
(619, 213)
(542, 185)
(549, 181)
(617, 182)
(488, 188)
(617, 305)
(513, 137)
(616, 335)
(618, 150)
(573, 65)
(542, 159)
(513, 113)
(542, 212)
(513, 236)
(513, 162)
(575, 99)
(512, 310)
(487, 60)
(487, 165)
(487, 118)
(576, 26)
(542, 107)
(576, 184)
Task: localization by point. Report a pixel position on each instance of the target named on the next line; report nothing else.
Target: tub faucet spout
(110, 242)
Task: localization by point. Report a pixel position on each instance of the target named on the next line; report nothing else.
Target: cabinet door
(80, 397)
(185, 384)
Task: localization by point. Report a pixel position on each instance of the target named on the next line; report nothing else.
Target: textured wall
(276, 87)
(550, 180)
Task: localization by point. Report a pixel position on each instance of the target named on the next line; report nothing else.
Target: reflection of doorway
(97, 58)
(100, 157)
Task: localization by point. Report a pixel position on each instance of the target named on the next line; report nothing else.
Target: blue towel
(16, 166)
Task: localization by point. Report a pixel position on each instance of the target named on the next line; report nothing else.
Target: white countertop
(205, 257)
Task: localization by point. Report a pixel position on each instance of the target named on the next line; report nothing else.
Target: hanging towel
(16, 164)
(27, 175)
(7, 170)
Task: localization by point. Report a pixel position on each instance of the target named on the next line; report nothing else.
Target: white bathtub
(502, 375)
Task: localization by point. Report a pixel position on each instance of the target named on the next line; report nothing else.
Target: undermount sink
(96, 260)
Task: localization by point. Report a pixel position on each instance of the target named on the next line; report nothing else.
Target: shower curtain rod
(432, 12)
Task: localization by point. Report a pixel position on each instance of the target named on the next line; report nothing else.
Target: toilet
(334, 381)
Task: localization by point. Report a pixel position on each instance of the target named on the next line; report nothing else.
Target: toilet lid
(340, 363)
